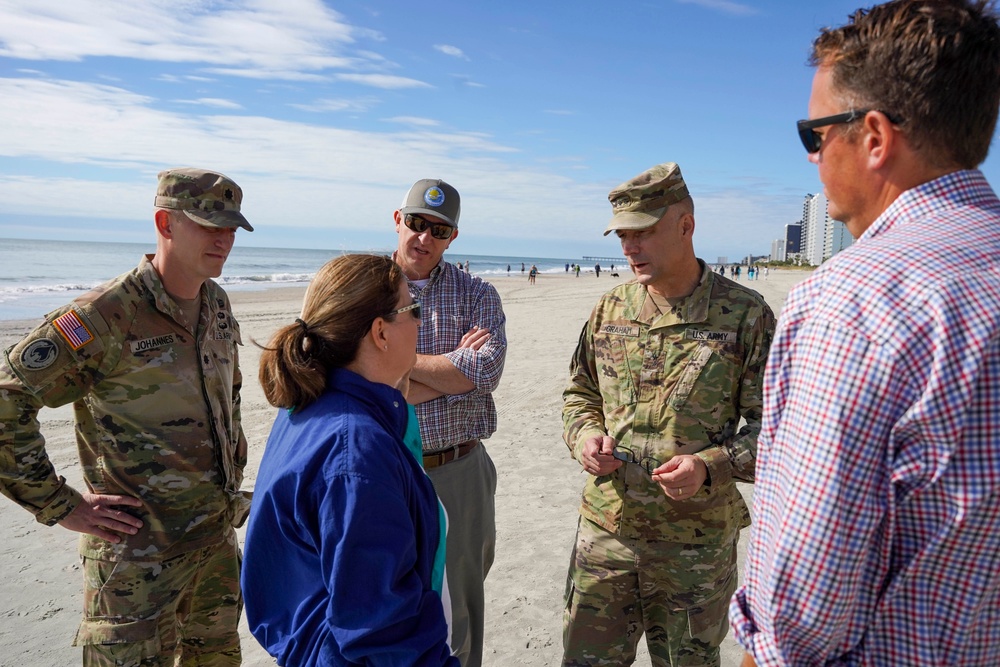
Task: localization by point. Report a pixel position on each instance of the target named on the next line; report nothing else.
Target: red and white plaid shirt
(876, 536)
(453, 302)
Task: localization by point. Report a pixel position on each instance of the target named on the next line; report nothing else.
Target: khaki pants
(180, 611)
(467, 488)
(620, 588)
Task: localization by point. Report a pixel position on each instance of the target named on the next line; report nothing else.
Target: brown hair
(342, 301)
(933, 66)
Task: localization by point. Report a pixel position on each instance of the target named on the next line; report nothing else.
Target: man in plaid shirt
(876, 535)
(461, 349)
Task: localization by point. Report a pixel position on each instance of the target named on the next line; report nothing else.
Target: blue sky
(326, 112)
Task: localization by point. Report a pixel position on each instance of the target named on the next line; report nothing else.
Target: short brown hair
(931, 65)
(342, 301)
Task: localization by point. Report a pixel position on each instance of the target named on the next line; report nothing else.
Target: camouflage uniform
(662, 385)
(157, 410)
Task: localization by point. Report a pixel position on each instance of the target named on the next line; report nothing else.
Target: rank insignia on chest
(630, 330)
(713, 336)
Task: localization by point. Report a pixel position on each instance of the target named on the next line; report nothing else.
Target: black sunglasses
(807, 131)
(439, 230)
(415, 307)
(807, 128)
(629, 455)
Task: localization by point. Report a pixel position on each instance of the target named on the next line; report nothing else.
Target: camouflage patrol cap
(209, 198)
(641, 202)
(432, 196)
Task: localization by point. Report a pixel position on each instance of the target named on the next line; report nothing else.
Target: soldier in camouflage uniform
(149, 362)
(665, 368)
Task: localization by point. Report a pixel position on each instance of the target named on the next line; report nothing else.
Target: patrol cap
(641, 202)
(209, 198)
(432, 196)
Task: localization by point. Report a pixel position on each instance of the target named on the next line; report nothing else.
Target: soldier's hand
(682, 476)
(597, 459)
(474, 338)
(100, 515)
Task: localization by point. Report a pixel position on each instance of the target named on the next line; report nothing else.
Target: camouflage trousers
(180, 611)
(619, 588)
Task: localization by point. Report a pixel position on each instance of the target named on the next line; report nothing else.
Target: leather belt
(439, 458)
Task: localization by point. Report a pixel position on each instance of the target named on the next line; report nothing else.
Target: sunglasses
(415, 307)
(813, 141)
(439, 230)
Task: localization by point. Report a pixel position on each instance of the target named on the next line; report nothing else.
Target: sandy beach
(537, 498)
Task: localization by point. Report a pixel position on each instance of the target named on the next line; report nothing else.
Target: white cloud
(413, 120)
(386, 81)
(330, 104)
(212, 102)
(124, 139)
(452, 51)
(725, 6)
(253, 38)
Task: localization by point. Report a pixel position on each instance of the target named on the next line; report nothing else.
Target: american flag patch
(73, 329)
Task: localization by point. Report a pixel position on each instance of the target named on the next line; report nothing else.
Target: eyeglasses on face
(439, 230)
(629, 455)
(415, 307)
(813, 141)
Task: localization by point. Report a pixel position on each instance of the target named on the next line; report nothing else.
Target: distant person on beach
(665, 368)
(508, 269)
(576, 270)
(522, 267)
(149, 361)
(345, 543)
(877, 504)
(531, 274)
(597, 270)
(460, 355)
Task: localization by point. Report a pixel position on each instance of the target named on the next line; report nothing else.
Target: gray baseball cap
(640, 202)
(432, 196)
(209, 198)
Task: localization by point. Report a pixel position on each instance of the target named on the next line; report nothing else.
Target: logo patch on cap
(39, 355)
(434, 196)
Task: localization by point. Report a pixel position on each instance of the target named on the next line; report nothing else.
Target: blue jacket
(342, 534)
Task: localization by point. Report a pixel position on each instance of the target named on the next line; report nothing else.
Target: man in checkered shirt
(461, 349)
(876, 536)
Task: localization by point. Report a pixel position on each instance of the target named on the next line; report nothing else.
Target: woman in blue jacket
(344, 547)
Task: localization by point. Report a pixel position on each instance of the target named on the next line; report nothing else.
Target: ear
(453, 237)
(686, 225)
(378, 333)
(164, 224)
(880, 140)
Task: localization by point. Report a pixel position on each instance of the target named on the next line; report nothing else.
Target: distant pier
(610, 260)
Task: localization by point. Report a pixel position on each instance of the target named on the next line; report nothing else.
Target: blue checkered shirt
(876, 536)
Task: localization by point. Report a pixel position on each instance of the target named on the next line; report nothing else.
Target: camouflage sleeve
(738, 457)
(26, 475)
(583, 406)
(47, 368)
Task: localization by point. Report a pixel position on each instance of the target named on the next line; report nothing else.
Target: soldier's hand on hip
(682, 476)
(597, 458)
(100, 515)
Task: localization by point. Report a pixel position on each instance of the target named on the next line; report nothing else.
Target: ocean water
(38, 276)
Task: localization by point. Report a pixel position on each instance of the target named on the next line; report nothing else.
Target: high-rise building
(814, 223)
(778, 250)
(793, 238)
(837, 239)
